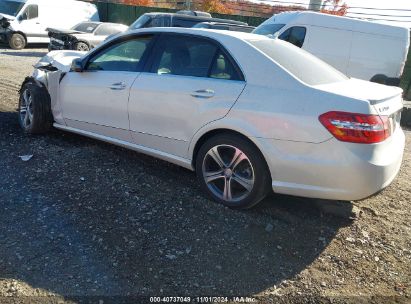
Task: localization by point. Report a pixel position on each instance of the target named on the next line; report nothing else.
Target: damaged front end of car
(62, 39)
(48, 74)
(4, 29)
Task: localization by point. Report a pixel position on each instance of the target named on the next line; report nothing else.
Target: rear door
(191, 82)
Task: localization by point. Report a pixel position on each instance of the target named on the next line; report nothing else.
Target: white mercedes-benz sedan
(249, 114)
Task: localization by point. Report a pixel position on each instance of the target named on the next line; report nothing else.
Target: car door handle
(203, 93)
(118, 86)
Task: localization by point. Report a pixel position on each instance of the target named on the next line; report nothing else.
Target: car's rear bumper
(333, 169)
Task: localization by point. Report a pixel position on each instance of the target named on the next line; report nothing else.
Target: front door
(31, 23)
(96, 99)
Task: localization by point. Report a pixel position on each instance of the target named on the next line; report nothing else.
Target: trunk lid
(385, 100)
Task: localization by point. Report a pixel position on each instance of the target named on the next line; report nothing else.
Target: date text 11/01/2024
(202, 300)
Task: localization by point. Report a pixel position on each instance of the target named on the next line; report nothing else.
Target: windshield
(301, 64)
(85, 27)
(140, 22)
(268, 29)
(11, 8)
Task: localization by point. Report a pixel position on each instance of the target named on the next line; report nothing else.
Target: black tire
(17, 41)
(258, 172)
(36, 118)
(81, 46)
(379, 78)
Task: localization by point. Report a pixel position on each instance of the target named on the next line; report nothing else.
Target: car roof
(211, 33)
(224, 23)
(196, 18)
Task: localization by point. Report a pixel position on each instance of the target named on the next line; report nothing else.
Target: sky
(401, 5)
(382, 7)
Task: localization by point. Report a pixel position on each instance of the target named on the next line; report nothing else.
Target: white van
(25, 21)
(358, 48)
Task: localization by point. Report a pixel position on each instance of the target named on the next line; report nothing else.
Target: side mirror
(20, 18)
(77, 65)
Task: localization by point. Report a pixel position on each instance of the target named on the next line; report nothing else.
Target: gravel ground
(85, 218)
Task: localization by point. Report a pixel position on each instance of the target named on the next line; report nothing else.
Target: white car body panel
(358, 48)
(161, 117)
(51, 13)
(104, 105)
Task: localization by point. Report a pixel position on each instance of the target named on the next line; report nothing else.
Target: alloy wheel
(26, 109)
(228, 173)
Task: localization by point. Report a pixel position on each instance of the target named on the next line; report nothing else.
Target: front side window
(124, 56)
(140, 22)
(11, 8)
(31, 12)
(294, 35)
(155, 22)
(268, 29)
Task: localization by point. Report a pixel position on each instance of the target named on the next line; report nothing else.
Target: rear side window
(182, 55)
(180, 22)
(192, 56)
(223, 68)
(301, 64)
(294, 35)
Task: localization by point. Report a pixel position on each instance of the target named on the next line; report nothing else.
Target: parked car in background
(358, 48)
(179, 19)
(225, 26)
(26, 21)
(248, 113)
(83, 36)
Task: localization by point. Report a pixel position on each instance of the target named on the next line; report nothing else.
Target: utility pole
(315, 5)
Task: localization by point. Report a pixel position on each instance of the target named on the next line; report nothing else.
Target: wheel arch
(195, 147)
(11, 33)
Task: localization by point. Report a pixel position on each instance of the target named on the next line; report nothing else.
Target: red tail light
(357, 128)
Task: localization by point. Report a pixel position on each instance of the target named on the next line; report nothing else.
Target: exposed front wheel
(34, 109)
(81, 46)
(17, 41)
(233, 171)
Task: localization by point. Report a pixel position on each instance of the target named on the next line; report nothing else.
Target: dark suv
(179, 19)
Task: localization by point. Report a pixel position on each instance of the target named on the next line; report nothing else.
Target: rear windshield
(268, 29)
(301, 64)
(86, 27)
